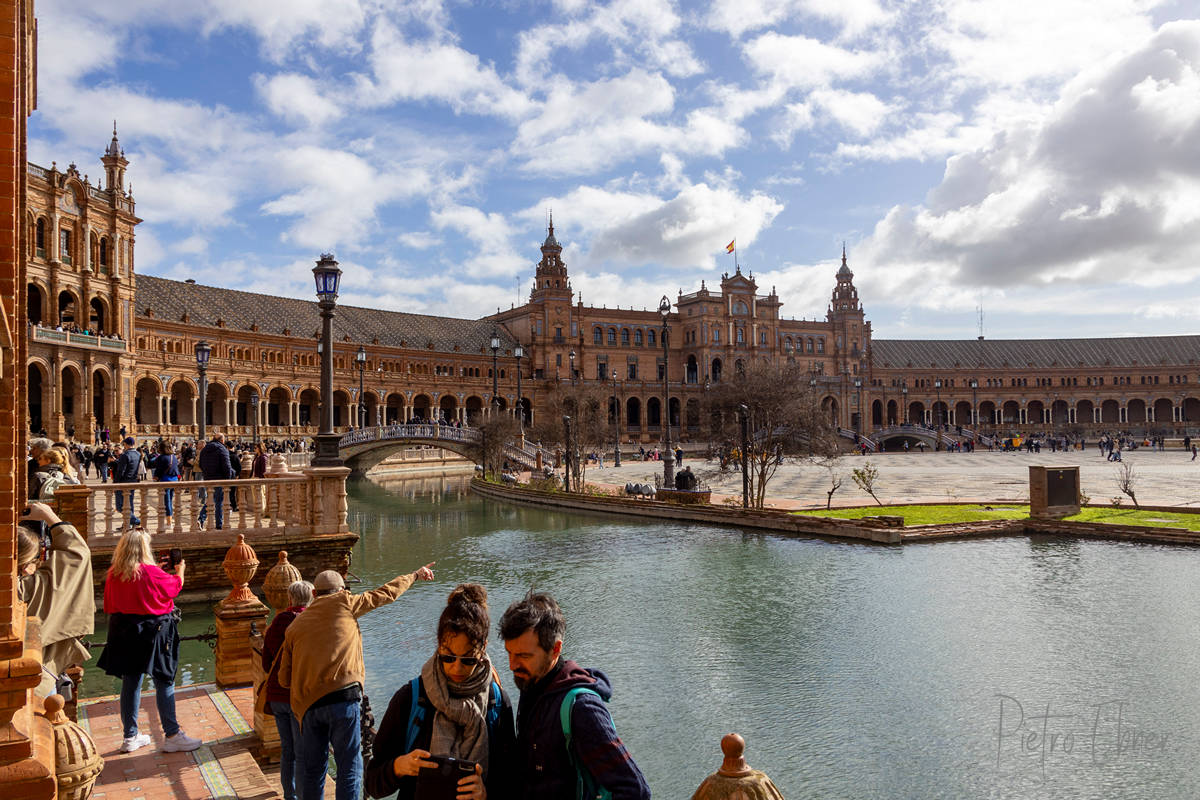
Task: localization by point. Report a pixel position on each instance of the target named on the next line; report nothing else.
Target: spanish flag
(729, 248)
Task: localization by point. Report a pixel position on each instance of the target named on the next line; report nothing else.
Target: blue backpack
(416, 713)
(586, 786)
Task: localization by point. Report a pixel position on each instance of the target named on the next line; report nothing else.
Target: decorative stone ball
(735, 780)
(278, 579)
(77, 763)
(240, 565)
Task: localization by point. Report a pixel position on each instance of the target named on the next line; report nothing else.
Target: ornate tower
(114, 164)
(551, 279)
(850, 332)
(554, 326)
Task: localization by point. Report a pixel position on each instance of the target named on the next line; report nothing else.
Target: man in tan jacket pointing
(321, 664)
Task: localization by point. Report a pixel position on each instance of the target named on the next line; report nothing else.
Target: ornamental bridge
(364, 448)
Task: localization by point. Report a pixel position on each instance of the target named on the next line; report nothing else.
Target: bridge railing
(410, 431)
(857, 438)
(300, 504)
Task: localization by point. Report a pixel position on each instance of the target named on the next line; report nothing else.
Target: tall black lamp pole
(495, 372)
(327, 275)
(360, 358)
(254, 398)
(664, 308)
(617, 420)
(519, 353)
(203, 351)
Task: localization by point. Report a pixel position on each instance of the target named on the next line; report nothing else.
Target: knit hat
(328, 580)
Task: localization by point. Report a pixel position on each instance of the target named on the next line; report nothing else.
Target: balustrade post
(236, 615)
(74, 504)
(327, 499)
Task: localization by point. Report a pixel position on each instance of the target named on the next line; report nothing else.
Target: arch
(962, 413)
(501, 404)
(309, 411)
(1191, 409)
(893, 412)
(1010, 412)
(1085, 411)
(877, 413)
(279, 405)
(650, 336)
(673, 406)
(612, 335)
(216, 404)
(1110, 411)
(916, 412)
(421, 405)
(1059, 414)
(716, 370)
(1164, 410)
(526, 409)
(633, 414)
(1035, 412)
(597, 335)
(393, 411)
(625, 337)
(987, 412)
(72, 396)
(637, 337)
(693, 415)
(654, 413)
(179, 406)
(103, 255)
(1137, 411)
(341, 408)
(39, 237)
(35, 303)
(146, 404)
(100, 383)
(37, 402)
(474, 406)
(68, 308)
(98, 316)
(831, 408)
(448, 407)
(370, 401)
(243, 415)
(692, 371)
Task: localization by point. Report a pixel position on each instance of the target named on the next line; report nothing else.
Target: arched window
(64, 246)
(650, 338)
(39, 238)
(612, 335)
(103, 259)
(597, 335)
(820, 345)
(809, 346)
(625, 337)
(637, 337)
(741, 335)
(740, 308)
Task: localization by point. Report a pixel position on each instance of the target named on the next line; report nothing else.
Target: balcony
(77, 339)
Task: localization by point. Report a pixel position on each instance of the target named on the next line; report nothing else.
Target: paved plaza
(1163, 478)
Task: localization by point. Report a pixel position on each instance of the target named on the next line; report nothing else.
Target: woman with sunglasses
(460, 711)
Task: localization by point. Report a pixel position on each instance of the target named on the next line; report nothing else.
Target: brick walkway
(221, 768)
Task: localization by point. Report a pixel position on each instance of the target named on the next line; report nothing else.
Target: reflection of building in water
(80, 257)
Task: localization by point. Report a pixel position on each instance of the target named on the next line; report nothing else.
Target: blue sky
(1039, 159)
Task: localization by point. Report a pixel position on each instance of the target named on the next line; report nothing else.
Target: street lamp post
(571, 357)
(974, 403)
(254, 398)
(904, 401)
(327, 275)
(937, 384)
(203, 351)
(360, 358)
(518, 354)
(617, 422)
(495, 371)
(858, 429)
(664, 309)
(744, 419)
(379, 407)
(569, 454)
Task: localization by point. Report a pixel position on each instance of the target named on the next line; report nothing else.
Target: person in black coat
(462, 712)
(216, 465)
(125, 470)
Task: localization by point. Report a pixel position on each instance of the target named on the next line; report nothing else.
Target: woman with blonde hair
(51, 473)
(143, 637)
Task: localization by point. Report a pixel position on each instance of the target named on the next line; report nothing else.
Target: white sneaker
(135, 742)
(180, 743)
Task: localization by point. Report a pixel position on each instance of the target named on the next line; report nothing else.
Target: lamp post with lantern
(571, 358)
(327, 276)
(616, 422)
(518, 354)
(495, 371)
(974, 403)
(203, 351)
(360, 358)
(664, 310)
(254, 399)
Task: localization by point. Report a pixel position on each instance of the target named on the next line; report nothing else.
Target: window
(612, 335)
(650, 338)
(740, 308)
(40, 238)
(558, 359)
(601, 370)
(662, 370)
(810, 346)
(637, 337)
(716, 336)
(597, 335)
(539, 327)
(741, 335)
(574, 330)
(633, 371)
(625, 337)
(820, 345)
(64, 246)
(762, 337)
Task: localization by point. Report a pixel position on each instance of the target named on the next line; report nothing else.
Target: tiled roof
(1132, 351)
(169, 300)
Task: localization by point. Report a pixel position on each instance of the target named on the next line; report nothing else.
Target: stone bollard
(236, 614)
(277, 465)
(269, 748)
(77, 763)
(279, 578)
(735, 780)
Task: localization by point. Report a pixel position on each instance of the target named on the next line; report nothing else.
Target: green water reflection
(852, 670)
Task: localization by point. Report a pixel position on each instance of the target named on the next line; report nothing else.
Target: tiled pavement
(221, 768)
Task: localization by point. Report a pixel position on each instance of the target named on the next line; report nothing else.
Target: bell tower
(550, 277)
(846, 317)
(114, 165)
(552, 319)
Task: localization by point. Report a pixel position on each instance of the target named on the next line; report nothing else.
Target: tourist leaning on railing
(56, 586)
(143, 637)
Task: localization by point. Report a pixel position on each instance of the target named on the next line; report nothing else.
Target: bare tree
(836, 478)
(588, 404)
(865, 478)
(758, 414)
(1127, 479)
(497, 431)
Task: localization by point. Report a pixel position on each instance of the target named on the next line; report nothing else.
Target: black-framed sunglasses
(467, 661)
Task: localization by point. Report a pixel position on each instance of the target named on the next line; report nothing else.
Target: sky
(1038, 161)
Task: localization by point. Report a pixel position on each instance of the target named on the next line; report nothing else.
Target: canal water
(1001, 668)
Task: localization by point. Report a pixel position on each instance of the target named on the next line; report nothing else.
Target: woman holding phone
(461, 713)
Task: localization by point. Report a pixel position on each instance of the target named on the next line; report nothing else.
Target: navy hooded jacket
(544, 770)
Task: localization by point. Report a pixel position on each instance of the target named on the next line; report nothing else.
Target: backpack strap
(416, 715)
(586, 786)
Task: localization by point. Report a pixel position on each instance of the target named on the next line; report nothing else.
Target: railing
(295, 505)
(38, 172)
(424, 431)
(857, 437)
(82, 339)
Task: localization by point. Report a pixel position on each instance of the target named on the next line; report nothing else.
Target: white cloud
(803, 62)
(297, 98)
(735, 17)
(419, 240)
(492, 237)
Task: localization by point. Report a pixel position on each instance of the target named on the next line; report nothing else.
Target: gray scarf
(459, 722)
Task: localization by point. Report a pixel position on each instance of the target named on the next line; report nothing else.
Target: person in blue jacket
(460, 711)
(557, 696)
(216, 465)
(125, 470)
